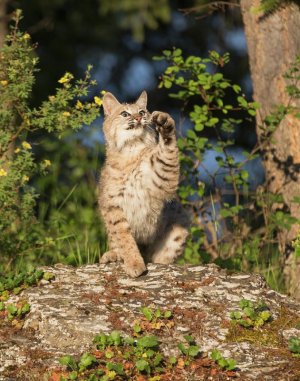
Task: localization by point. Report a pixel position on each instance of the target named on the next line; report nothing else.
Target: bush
(233, 225)
(22, 234)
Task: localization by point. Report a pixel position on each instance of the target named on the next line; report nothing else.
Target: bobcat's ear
(142, 100)
(109, 103)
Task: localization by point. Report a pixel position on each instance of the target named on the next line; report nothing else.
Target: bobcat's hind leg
(169, 246)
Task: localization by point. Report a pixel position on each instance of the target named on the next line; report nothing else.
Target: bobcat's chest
(141, 210)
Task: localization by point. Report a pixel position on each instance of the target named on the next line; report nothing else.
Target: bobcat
(137, 189)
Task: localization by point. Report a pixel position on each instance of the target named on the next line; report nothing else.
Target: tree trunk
(273, 43)
(3, 21)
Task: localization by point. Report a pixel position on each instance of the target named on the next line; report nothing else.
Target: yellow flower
(26, 36)
(66, 113)
(25, 178)
(26, 145)
(17, 150)
(4, 83)
(79, 105)
(51, 98)
(66, 78)
(103, 92)
(98, 101)
(3, 173)
(47, 163)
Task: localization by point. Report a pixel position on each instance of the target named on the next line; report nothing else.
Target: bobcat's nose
(137, 117)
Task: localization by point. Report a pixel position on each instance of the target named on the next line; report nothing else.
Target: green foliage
(20, 124)
(138, 15)
(252, 315)
(268, 6)
(21, 280)
(129, 358)
(154, 315)
(190, 350)
(234, 227)
(15, 310)
(294, 345)
(227, 364)
(296, 246)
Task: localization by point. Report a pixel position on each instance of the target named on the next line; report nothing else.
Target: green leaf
(167, 83)
(182, 348)
(215, 355)
(147, 313)
(242, 101)
(231, 364)
(142, 365)
(48, 276)
(172, 360)
(157, 314)
(69, 362)
(118, 368)
(12, 309)
(235, 315)
(137, 328)
(245, 303)
(109, 354)
(86, 360)
(249, 312)
(265, 315)
(294, 344)
(167, 53)
(222, 362)
(167, 314)
(116, 338)
(25, 309)
(193, 350)
(177, 52)
(236, 88)
(147, 342)
(189, 339)
(157, 359)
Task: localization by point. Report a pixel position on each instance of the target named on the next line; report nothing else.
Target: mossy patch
(269, 335)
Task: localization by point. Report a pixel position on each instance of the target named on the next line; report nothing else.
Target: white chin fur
(126, 136)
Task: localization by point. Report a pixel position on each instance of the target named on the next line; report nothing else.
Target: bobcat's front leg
(121, 242)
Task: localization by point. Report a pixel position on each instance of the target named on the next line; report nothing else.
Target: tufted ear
(109, 103)
(142, 100)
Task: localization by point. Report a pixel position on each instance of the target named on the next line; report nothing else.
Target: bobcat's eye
(142, 112)
(124, 113)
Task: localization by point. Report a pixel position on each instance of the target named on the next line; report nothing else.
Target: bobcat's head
(127, 124)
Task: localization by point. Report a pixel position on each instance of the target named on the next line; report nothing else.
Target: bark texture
(3, 21)
(68, 312)
(273, 44)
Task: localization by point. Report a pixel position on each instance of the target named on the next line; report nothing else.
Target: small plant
(190, 350)
(17, 282)
(227, 364)
(13, 311)
(294, 345)
(117, 357)
(152, 315)
(252, 314)
(153, 319)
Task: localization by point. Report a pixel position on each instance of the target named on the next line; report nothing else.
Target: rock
(68, 312)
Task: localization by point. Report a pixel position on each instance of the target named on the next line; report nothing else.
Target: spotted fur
(137, 189)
